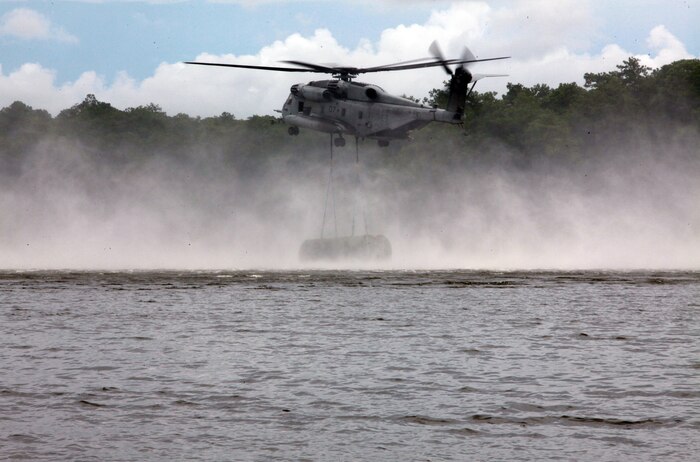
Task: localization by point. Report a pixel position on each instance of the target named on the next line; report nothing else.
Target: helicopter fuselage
(358, 109)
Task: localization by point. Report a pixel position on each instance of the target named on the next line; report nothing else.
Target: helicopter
(343, 106)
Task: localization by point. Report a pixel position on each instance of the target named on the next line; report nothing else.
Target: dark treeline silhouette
(626, 108)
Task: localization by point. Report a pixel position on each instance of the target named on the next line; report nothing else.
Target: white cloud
(553, 56)
(667, 47)
(27, 24)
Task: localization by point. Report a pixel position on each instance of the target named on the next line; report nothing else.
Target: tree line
(629, 107)
(625, 106)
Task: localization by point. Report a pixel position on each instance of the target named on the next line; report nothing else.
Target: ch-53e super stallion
(343, 106)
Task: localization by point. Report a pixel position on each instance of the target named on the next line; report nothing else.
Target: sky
(131, 53)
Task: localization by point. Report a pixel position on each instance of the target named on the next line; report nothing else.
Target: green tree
(677, 94)
(21, 128)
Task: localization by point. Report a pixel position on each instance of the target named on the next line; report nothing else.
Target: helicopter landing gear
(339, 142)
(383, 143)
(294, 131)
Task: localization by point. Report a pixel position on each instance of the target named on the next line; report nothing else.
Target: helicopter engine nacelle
(315, 93)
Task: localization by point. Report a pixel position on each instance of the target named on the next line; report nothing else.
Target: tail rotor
(460, 77)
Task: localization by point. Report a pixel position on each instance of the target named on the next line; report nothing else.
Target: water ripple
(359, 365)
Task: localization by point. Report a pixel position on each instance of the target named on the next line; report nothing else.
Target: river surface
(351, 365)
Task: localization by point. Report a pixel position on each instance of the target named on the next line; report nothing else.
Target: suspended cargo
(364, 248)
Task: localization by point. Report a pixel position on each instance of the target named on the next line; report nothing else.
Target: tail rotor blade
(435, 51)
(467, 55)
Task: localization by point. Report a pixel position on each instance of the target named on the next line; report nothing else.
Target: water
(350, 366)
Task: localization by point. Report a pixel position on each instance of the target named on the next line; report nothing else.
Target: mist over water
(628, 210)
(63, 207)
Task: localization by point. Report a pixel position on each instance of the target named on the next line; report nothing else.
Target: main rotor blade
(424, 65)
(412, 61)
(467, 61)
(264, 68)
(317, 67)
